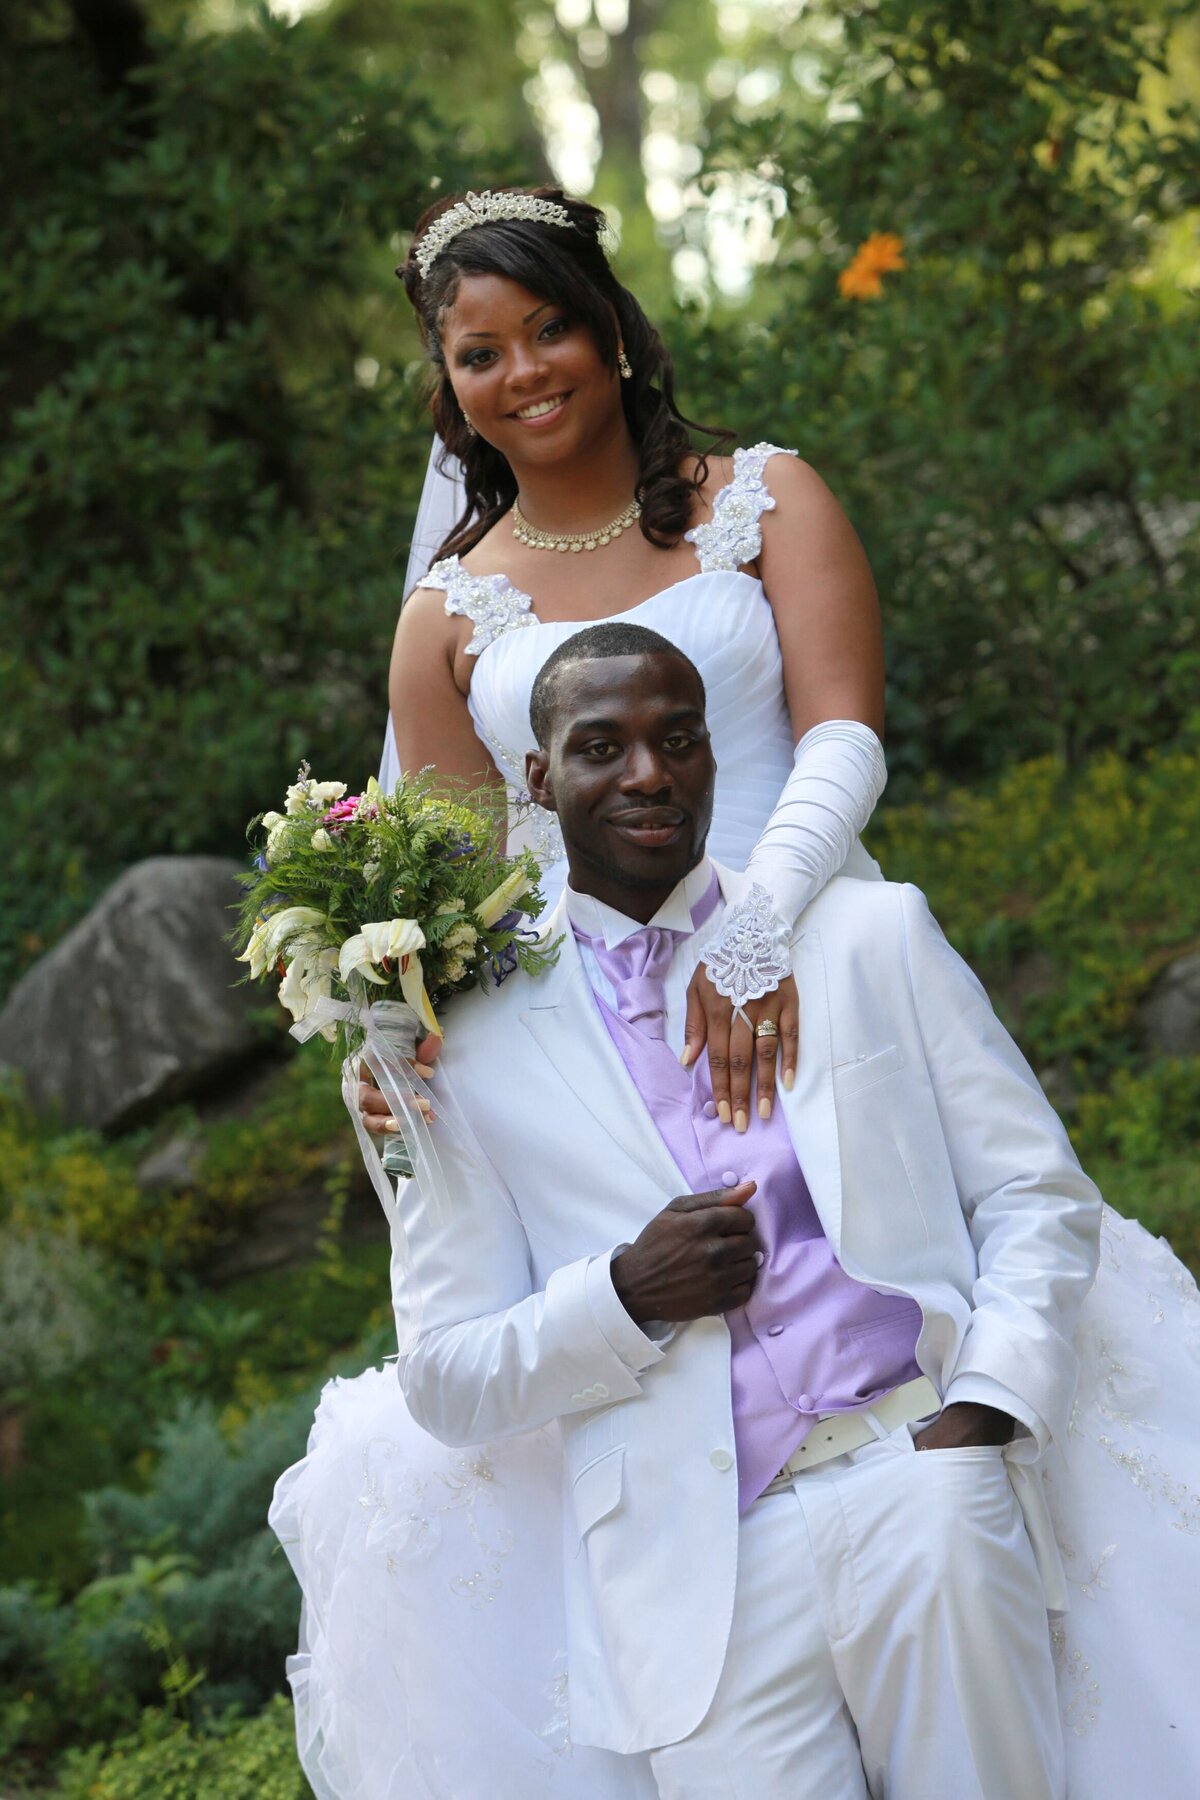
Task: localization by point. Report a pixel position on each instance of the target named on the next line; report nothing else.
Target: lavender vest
(810, 1340)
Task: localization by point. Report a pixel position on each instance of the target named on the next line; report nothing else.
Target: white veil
(442, 500)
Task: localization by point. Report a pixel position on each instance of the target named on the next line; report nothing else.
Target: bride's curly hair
(569, 267)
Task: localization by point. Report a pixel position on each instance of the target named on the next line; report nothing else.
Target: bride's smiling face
(529, 378)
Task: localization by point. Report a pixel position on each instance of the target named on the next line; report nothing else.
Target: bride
(570, 488)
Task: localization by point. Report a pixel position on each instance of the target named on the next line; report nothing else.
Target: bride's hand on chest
(745, 1062)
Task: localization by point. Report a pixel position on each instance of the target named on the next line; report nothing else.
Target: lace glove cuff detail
(750, 954)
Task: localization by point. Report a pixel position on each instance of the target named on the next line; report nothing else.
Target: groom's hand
(698, 1256)
(965, 1424)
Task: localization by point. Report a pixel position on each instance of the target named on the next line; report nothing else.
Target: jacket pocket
(597, 1489)
(851, 1077)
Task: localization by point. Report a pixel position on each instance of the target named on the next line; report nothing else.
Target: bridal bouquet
(401, 898)
(374, 909)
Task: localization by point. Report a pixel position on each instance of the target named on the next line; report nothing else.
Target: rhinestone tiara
(485, 209)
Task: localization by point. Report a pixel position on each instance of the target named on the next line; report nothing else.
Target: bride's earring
(624, 366)
(469, 426)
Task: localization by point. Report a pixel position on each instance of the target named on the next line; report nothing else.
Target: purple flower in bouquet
(505, 961)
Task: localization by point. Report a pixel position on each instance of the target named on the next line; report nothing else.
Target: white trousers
(889, 1638)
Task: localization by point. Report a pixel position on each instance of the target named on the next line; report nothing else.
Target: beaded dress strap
(733, 535)
(491, 602)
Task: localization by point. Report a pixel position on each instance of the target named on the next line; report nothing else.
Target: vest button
(721, 1460)
(774, 1330)
(806, 1403)
(730, 1177)
(709, 1109)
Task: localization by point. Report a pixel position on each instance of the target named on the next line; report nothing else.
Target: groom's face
(629, 770)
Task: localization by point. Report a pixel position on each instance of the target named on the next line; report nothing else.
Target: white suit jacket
(938, 1170)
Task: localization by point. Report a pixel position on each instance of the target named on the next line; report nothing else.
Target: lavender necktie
(638, 970)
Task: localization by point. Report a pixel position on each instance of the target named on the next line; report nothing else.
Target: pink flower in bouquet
(344, 812)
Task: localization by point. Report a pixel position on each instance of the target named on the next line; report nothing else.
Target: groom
(803, 1376)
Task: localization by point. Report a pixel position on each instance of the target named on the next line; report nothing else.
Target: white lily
(502, 899)
(401, 940)
(354, 958)
(271, 934)
(321, 840)
(393, 937)
(362, 953)
(309, 978)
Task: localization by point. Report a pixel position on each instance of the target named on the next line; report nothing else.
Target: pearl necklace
(525, 533)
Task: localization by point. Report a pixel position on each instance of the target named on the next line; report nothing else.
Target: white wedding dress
(430, 1664)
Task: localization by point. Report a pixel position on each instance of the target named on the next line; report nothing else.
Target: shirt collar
(595, 919)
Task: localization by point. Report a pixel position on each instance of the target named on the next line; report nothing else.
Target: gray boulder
(1170, 1018)
(137, 1007)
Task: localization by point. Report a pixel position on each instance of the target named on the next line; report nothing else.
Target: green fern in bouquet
(377, 896)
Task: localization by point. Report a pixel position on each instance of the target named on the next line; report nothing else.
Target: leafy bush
(47, 1315)
(166, 1760)
(1142, 1117)
(203, 508)
(79, 1184)
(1067, 891)
(185, 1574)
(1009, 417)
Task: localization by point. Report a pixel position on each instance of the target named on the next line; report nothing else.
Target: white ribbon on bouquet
(390, 1029)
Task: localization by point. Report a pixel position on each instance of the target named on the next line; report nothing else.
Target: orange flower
(862, 278)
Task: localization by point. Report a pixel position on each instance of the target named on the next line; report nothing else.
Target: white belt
(836, 1433)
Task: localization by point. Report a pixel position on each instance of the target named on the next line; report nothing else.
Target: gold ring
(766, 1028)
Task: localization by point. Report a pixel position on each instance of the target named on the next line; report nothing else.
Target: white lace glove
(837, 777)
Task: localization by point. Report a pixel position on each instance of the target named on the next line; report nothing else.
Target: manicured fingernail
(686, 1057)
(723, 1112)
(764, 1109)
(789, 1079)
(739, 1120)
(391, 1124)
(424, 1070)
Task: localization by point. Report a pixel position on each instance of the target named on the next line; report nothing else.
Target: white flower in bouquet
(275, 929)
(457, 900)
(306, 795)
(502, 899)
(399, 941)
(309, 978)
(276, 825)
(391, 938)
(460, 937)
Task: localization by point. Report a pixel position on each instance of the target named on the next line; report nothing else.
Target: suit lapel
(809, 1108)
(564, 1021)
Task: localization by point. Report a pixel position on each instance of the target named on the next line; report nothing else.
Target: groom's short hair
(612, 637)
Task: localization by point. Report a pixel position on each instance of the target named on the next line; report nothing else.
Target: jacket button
(805, 1402)
(774, 1330)
(709, 1109)
(729, 1177)
(721, 1459)
(600, 1392)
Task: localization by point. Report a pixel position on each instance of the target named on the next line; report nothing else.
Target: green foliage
(47, 1311)
(1143, 1117)
(1067, 891)
(1011, 423)
(203, 508)
(164, 1760)
(78, 1185)
(188, 1582)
